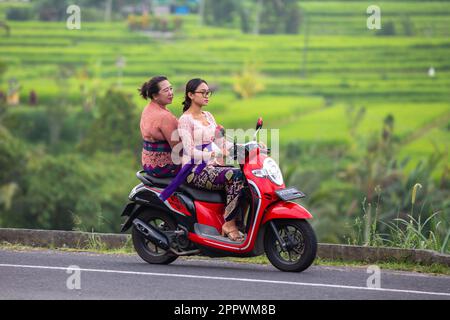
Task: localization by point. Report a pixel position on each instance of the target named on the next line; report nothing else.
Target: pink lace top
(194, 133)
(157, 124)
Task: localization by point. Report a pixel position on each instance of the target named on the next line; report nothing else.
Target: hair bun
(151, 87)
(143, 90)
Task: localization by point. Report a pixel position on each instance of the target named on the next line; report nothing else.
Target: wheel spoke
(293, 236)
(278, 246)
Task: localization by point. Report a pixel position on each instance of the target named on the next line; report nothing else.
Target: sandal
(234, 235)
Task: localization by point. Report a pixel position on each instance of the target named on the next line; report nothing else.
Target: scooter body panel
(210, 214)
(286, 210)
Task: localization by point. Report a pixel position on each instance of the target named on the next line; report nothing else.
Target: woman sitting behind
(157, 125)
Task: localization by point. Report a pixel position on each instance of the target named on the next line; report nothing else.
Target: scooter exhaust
(153, 234)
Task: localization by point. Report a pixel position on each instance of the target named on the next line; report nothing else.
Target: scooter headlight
(273, 171)
(270, 170)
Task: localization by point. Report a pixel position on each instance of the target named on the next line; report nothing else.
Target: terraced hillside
(345, 64)
(312, 81)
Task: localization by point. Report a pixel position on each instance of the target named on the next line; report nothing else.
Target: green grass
(416, 230)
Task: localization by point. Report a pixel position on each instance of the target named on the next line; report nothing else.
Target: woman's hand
(225, 152)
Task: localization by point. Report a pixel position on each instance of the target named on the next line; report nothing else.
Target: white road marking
(174, 275)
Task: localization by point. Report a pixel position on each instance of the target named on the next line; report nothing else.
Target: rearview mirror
(259, 124)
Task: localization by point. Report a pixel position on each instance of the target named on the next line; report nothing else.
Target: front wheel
(301, 245)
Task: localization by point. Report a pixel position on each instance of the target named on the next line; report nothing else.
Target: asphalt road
(45, 274)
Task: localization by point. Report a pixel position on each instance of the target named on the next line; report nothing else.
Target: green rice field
(347, 64)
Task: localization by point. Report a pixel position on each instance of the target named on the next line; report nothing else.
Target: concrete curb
(63, 239)
(83, 240)
(376, 254)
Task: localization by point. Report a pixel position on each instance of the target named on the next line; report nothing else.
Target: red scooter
(190, 221)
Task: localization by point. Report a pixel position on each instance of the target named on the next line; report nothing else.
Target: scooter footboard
(286, 210)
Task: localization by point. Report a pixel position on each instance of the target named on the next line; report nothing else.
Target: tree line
(255, 16)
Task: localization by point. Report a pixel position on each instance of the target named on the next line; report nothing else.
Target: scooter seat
(157, 182)
(194, 193)
(204, 195)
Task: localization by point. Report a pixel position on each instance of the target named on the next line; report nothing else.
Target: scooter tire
(310, 246)
(141, 244)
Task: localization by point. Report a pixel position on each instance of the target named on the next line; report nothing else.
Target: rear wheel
(146, 249)
(301, 248)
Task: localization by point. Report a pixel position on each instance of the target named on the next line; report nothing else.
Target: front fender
(286, 210)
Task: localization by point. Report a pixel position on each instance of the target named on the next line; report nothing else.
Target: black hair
(151, 87)
(191, 87)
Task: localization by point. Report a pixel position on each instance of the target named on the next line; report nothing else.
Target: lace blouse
(194, 133)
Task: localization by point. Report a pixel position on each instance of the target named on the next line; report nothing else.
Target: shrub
(280, 17)
(19, 14)
(145, 21)
(408, 26)
(220, 13)
(12, 157)
(248, 83)
(388, 29)
(30, 124)
(177, 23)
(56, 188)
(133, 22)
(293, 20)
(51, 10)
(92, 15)
(117, 126)
(151, 23)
